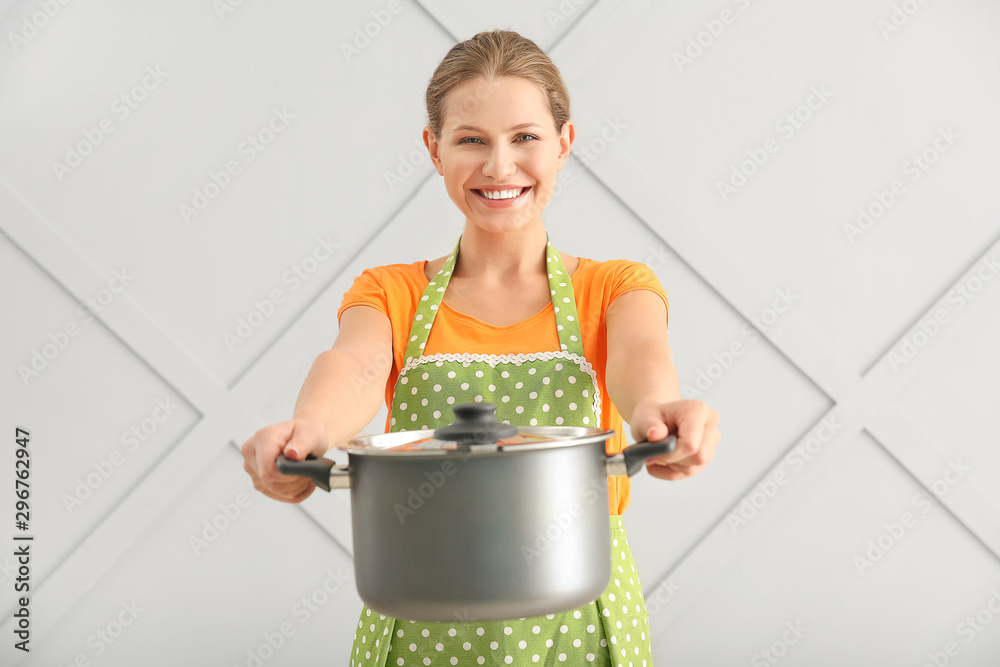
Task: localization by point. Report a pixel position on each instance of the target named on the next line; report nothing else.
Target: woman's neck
(501, 257)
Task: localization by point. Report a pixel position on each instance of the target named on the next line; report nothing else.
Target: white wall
(863, 414)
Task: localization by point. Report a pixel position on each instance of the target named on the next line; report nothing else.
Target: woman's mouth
(501, 197)
(511, 193)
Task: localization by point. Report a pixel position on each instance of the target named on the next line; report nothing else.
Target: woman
(587, 337)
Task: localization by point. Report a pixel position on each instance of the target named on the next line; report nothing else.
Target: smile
(494, 195)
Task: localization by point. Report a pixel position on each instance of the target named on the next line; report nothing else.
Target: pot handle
(324, 472)
(629, 461)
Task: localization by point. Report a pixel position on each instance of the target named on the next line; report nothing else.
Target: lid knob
(475, 424)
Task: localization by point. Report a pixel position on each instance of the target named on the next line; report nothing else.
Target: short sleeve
(630, 276)
(368, 290)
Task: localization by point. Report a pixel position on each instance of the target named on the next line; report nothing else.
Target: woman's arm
(345, 387)
(341, 394)
(643, 384)
(640, 365)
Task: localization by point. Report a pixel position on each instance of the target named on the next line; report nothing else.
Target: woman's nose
(499, 163)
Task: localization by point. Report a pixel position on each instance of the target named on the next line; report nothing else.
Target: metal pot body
(483, 536)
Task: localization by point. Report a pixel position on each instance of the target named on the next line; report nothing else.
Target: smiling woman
(505, 318)
(494, 165)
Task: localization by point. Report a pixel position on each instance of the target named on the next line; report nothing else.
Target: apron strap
(563, 302)
(560, 287)
(427, 307)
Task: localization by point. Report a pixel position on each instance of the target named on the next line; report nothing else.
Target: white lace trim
(517, 359)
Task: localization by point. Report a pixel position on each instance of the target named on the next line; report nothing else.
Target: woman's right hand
(296, 438)
(341, 394)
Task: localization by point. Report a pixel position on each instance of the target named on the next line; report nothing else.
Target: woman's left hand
(697, 429)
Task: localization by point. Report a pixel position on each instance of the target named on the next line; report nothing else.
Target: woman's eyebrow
(515, 128)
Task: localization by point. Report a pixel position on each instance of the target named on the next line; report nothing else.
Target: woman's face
(499, 152)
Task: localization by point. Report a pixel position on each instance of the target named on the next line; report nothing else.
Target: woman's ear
(433, 149)
(566, 138)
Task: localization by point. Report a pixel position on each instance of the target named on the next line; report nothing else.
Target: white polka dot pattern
(565, 397)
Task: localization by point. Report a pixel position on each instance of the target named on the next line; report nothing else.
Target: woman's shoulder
(396, 273)
(387, 284)
(611, 269)
(600, 282)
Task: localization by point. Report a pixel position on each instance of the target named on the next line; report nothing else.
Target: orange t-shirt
(395, 290)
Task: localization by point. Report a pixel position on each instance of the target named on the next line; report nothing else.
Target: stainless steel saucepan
(479, 520)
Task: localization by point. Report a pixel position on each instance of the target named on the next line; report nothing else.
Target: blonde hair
(490, 55)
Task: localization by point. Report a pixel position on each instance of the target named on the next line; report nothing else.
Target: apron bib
(558, 387)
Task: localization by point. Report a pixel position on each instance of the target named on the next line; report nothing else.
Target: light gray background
(904, 401)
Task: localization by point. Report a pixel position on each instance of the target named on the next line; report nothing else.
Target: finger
(657, 431)
(274, 478)
(306, 440)
(690, 433)
(292, 489)
(305, 493)
(249, 451)
(246, 449)
(690, 465)
(267, 462)
(287, 485)
(708, 447)
(687, 470)
(706, 450)
(698, 458)
(267, 442)
(285, 494)
(295, 448)
(681, 469)
(270, 474)
(666, 472)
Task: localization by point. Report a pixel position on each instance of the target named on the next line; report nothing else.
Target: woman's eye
(521, 138)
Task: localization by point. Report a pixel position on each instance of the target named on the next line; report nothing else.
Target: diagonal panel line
(682, 257)
(938, 299)
(727, 277)
(889, 428)
(437, 19)
(868, 403)
(251, 385)
(721, 547)
(275, 350)
(124, 524)
(569, 28)
(454, 23)
(71, 551)
(747, 490)
(124, 319)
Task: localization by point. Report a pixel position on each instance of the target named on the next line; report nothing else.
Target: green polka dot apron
(557, 387)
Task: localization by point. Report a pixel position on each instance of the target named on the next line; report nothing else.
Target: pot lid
(475, 430)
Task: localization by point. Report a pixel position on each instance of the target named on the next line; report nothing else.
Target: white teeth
(501, 194)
